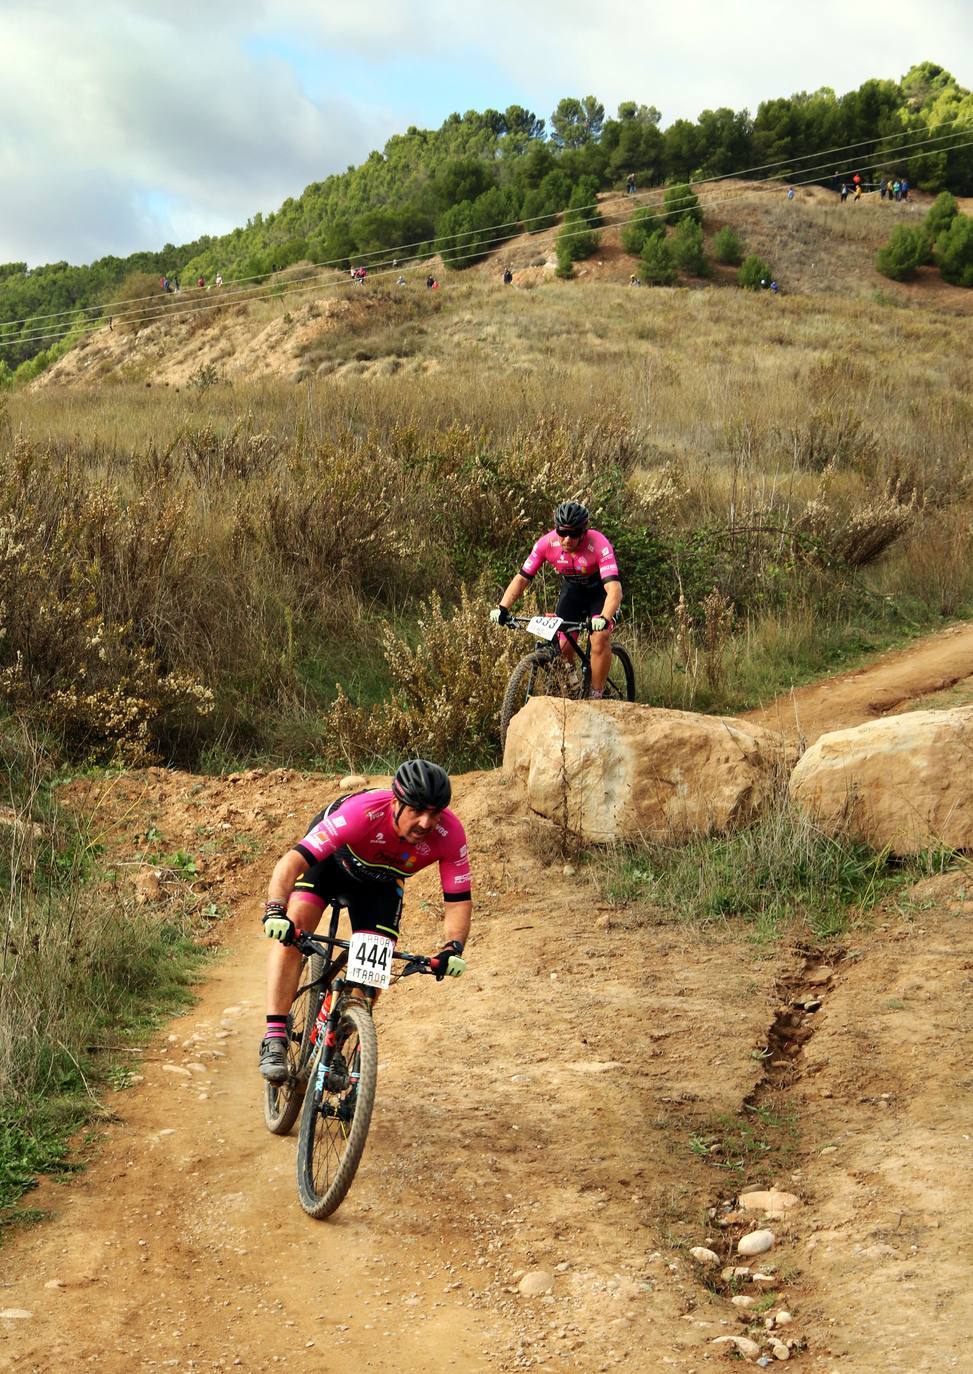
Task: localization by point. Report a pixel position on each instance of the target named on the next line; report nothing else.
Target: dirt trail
(551, 1110)
(885, 686)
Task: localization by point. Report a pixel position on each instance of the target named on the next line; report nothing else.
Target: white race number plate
(544, 626)
(370, 959)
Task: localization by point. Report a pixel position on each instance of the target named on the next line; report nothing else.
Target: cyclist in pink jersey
(363, 847)
(591, 588)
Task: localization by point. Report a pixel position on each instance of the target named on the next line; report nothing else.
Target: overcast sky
(125, 124)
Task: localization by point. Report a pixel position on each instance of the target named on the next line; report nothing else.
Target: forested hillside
(449, 188)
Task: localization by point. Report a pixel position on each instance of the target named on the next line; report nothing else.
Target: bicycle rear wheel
(337, 1113)
(282, 1101)
(620, 684)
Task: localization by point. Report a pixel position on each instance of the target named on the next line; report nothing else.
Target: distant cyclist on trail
(363, 847)
(590, 586)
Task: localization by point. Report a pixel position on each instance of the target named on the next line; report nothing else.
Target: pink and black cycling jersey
(592, 563)
(359, 832)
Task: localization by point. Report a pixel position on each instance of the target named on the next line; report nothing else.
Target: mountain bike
(333, 1051)
(546, 672)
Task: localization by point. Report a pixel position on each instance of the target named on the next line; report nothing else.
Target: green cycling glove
(277, 924)
(449, 961)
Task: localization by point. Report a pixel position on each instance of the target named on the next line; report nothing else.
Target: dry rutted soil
(560, 1122)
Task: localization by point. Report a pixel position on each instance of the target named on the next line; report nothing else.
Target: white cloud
(683, 57)
(99, 112)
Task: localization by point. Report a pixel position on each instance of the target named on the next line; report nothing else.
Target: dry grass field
(311, 464)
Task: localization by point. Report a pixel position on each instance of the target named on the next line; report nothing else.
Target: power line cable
(906, 147)
(249, 295)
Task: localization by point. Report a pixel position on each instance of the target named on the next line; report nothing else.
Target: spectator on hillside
(790, 193)
(219, 279)
(634, 280)
(904, 188)
(897, 189)
(630, 183)
(508, 276)
(774, 288)
(883, 188)
(400, 281)
(858, 191)
(430, 282)
(843, 193)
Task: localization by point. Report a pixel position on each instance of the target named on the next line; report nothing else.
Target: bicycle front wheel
(337, 1113)
(620, 685)
(520, 688)
(282, 1101)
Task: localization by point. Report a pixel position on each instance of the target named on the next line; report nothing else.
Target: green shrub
(943, 211)
(642, 224)
(565, 260)
(954, 252)
(687, 249)
(681, 202)
(574, 242)
(728, 247)
(446, 695)
(584, 202)
(908, 248)
(754, 274)
(658, 268)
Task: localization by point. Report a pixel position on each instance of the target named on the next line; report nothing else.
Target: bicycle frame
(325, 1029)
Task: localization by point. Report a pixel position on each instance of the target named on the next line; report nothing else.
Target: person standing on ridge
(591, 588)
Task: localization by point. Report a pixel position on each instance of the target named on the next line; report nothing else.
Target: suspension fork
(326, 1029)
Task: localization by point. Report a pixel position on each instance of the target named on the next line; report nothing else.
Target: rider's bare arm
(286, 873)
(456, 921)
(613, 599)
(518, 585)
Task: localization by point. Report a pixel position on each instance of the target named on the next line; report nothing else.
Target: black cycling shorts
(577, 602)
(371, 905)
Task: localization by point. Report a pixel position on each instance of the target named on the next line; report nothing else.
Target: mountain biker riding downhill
(363, 847)
(590, 586)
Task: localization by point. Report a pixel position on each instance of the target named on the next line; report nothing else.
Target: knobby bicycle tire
(533, 676)
(519, 688)
(334, 1126)
(620, 685)
(282, 1101)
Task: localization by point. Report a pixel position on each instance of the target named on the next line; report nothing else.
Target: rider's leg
(284, 962)
(601, 657)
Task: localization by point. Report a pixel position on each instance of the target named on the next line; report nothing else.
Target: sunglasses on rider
(570, 534)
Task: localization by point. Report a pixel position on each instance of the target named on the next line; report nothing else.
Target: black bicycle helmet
(571, 515)
(422, 784)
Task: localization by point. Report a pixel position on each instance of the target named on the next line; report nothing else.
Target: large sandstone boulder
(613, 771)
(903, 781)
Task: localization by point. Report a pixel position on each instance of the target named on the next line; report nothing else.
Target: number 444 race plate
(370, 959)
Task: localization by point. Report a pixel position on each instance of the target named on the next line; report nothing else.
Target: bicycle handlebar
(520, 622)
(307, 943)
